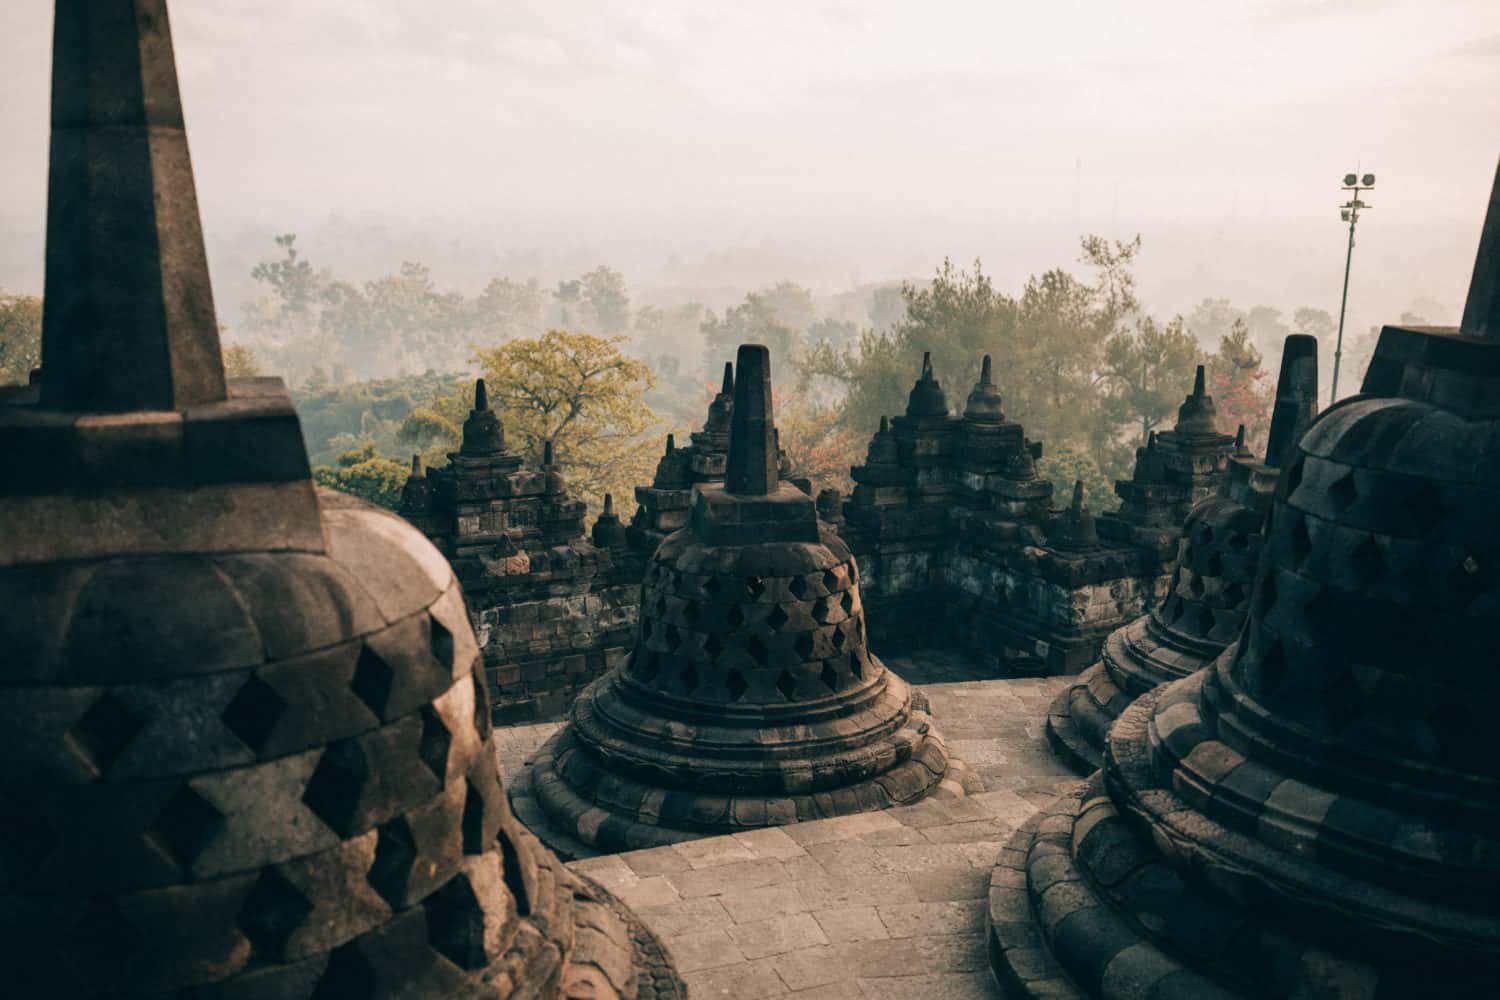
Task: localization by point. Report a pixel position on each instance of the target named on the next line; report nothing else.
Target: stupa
(1317, 813)
(247, 755)
(750, 699)
(1209, 594)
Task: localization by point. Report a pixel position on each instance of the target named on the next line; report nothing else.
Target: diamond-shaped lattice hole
(435, 743)
(776, 619)
(1239, 541)
(672, 637)
(830, 581)
(1214, 565)
(1234, 595)
(736, 684)
(713, 646)
(830, 677)
(441, 642)
(337, 784)
(757, 650)
(661, 606)
(1206, 621)
(690, 679)
(1173, 609)
(754, 587)
(1344, 492)
(455, 924)
(395, 853)
(186, 825)
(691, 612)
(1205, 535)
(104, 731)
(1367, 561)
(798, 587)
(100, 944)
(272, 913)
(644, 664)
(27, 839)
(734, 617)
(253, 712)
(857, 664)
(712, 586)
(804, 645)
(839, 639)
(1195, 585)
(646, 629)
(822, 610)
(847, 602)
(786, 684)
(347, 974)
(373, 680)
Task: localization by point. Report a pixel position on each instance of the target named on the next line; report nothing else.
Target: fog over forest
(705, 153)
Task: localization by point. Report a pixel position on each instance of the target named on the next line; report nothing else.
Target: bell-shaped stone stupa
(248, 752)
(750, 698)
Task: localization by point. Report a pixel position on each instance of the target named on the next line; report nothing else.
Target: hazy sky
(624, 123)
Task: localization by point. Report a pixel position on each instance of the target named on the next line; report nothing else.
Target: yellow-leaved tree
(575, 391)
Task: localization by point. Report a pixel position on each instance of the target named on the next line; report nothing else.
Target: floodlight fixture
(1348, 212)
(1368, 180)
(1350, 179)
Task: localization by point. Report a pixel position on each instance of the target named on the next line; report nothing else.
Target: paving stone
(728, 878)
(770, 842)
(808, 968)
(714, 851)
(942, 986)
(904, 920)
(851, 923)
(776, 935)
(759, 904)
(686, 916)
(654, 890)
(703, 950)
(656, 861)
(744, 981)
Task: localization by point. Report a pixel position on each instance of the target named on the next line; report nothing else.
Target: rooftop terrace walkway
(887, 904)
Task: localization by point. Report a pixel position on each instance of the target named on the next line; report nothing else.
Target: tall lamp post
(1349, 212)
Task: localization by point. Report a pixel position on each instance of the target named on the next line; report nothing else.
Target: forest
(384, 369)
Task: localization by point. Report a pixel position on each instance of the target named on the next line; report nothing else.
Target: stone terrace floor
(887, 904)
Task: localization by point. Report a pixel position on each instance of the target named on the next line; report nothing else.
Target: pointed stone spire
(416, 467)
(984, 401)
(1240, 448)
(1077, 504)
(1482, 310)
(128, 319)
(885, 425)
(483, 433)
(1075, 528)
(1296, 400)
(416, 494)
(728, 388)
(609, 505)
(1196, 414)
(927, 366)
(547, 458)
(671, 443)
(751, 469)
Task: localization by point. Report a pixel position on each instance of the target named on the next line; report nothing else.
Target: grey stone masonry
(553, 608)
(956, 536)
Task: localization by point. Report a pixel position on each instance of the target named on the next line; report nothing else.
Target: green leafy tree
(1237, 381)
(887, 308)
(1062, 467)
(583, 396)
(1149, 369)
(753, 321)
(791, 304)
(508, 309)
(20, 337)
(366, 474)
(603, 293)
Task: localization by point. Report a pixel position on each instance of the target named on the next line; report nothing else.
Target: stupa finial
(481, 395)
(1296, 401)
(926, 365)
(1199, 382)
(416, 467)
(1482, 309)
(751, 466)
(885, 424)
(984, 371)
(728, 387)
(128, 321)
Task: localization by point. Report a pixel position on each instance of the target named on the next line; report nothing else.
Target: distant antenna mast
(1349, 212)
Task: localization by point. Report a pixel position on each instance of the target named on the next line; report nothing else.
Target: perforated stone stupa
(1317, 813)
(1209, 594)
(247, 750)
(751, 698)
